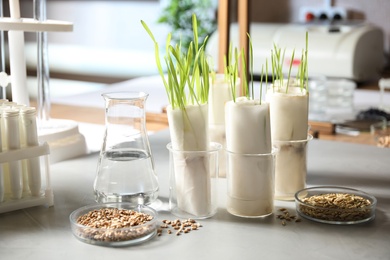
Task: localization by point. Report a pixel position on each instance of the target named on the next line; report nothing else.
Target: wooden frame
(224, 35)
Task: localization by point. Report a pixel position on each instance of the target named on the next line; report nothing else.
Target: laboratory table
(45, 233)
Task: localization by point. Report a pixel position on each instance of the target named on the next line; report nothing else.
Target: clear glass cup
(125, 171)
(193, 179)
(340, 94)
(217, 134)
(318, 97)
(250, 181)
(290, 167)
(381, 134)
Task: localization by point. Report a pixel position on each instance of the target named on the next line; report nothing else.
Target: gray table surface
(44, 233)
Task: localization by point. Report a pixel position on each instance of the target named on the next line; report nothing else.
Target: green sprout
(277, 58)
(187, 80)
(231, 70)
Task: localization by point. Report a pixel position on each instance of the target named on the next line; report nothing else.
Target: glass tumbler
(250, 184)
(193, 179)
(125, 170)
(290, 167)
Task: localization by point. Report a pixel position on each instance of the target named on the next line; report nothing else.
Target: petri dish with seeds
(114, 224)
(335, 205)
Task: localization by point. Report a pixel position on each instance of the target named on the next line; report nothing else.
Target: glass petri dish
(116, 236)
(335, 205)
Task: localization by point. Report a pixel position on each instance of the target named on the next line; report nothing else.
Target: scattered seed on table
(180, 226)
(286, 216)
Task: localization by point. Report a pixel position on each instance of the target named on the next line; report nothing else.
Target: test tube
(29, 136)
(2, 184)
(4, 167)
(12, 142)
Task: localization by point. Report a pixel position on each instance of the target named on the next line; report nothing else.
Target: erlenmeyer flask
(125, 171)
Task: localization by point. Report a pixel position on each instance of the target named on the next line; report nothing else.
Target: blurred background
(109, 49)
(108, 43)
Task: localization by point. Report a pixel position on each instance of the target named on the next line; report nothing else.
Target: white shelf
(32, 25)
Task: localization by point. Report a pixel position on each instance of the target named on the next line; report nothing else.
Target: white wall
(108, 43)
(104, 24)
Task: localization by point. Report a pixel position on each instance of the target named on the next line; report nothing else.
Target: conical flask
(125, 170)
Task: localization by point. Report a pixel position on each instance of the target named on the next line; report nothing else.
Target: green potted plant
(177, 14)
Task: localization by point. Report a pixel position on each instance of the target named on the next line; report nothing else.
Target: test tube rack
(45, 197)
(19, 25)
(62, 135)
(41, 151)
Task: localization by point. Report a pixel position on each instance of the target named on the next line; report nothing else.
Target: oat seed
(336, 207)
(107, 224)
